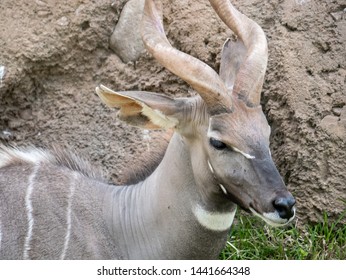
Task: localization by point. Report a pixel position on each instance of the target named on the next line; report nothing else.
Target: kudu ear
(232, 57)
(143, 109)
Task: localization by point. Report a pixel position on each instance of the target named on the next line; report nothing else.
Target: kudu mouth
(283, 213)
(278, 211)
(274, 219)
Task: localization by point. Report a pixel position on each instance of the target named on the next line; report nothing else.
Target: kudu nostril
(284, 206)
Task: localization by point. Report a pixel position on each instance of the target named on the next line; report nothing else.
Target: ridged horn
(199, 75)
(250, 77)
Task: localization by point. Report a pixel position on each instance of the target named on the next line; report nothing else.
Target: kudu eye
(218, 145)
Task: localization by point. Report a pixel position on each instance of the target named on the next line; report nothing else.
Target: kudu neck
(157, 215)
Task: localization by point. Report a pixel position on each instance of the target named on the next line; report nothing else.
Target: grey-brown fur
(53, 206)
(99, 229)
(144, 166)
(51, 194)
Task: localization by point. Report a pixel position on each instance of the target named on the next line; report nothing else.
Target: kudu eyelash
(219, 145)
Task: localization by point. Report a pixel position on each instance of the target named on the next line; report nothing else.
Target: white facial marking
(244, 154)
(273, 218)
(223, 188)
(29, 209)
(215, 221)
(215, 135)
(212, 134)
(210, 167)
(68, 216)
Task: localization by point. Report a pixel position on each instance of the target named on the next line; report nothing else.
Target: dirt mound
(53, 55)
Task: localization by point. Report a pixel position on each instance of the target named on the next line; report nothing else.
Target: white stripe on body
(68, 215)
(29, 209)
(0, 235)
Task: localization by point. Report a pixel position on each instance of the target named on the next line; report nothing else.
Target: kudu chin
(53, 205)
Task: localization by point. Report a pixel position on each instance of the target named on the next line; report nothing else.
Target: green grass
(250, 239)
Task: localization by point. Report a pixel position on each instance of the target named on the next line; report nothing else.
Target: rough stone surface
(126, 39)
(55, 53)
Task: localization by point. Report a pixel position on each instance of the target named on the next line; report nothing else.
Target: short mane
(136, 169)
(54, 155)
(139, 168)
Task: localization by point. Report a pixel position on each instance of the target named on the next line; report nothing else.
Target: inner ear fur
(232, 56)
(143, 109)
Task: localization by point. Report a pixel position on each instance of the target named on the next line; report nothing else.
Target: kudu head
(224, 126)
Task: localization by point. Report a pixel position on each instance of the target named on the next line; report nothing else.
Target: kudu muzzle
(272, 189)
